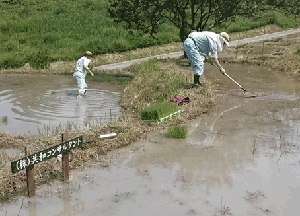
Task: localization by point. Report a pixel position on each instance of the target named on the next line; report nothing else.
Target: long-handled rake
(249, 95)
(246, 93)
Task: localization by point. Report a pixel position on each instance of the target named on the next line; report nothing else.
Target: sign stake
(65, 159)
(30, 175)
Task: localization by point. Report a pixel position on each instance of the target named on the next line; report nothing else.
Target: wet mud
(241, 158)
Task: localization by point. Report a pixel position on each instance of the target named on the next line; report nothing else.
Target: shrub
(11, 61)
(263, 18)
(40, 60)
(298, 51)
(120, 45)
(177, 131)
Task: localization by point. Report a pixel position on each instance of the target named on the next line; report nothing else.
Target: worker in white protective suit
(199, 46)
(81, 69)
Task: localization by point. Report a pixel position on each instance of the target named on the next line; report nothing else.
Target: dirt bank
(280, 54)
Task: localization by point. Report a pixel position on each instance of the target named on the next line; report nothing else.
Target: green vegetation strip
(163, 118)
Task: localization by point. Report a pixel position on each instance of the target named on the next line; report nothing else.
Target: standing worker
(201, 45)
(82, 67)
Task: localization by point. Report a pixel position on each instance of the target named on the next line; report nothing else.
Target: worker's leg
(81, 84)
(196, 60)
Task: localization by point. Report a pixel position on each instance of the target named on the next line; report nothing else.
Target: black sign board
(46, 154)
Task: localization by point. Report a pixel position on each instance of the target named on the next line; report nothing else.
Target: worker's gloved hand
(209, 60)
(222, 70)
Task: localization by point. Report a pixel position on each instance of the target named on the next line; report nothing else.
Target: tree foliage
(186, 15)
(145, 16)
(287, 6)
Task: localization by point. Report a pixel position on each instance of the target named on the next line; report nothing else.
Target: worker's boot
(197, 83)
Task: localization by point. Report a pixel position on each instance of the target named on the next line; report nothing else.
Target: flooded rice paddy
(44, 104)
(242, 158)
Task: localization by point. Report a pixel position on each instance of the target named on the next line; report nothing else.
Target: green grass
(162, 88)
(177, 131)
(265, 18)
(154, 81)
(65, 29)
(298, 51)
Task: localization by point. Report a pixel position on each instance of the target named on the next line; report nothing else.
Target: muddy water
(42, 104)
(242, 158)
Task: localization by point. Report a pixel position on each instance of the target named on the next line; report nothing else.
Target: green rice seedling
(158, 111)
(177, 131)
(4, 119)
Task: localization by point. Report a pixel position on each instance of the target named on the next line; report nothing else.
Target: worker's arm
(88, 69)
(218, 65)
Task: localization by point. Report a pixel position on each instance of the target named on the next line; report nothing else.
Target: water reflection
(32, 206)
(40, 104)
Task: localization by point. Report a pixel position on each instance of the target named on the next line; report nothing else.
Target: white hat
(88, 53)
(225, 36)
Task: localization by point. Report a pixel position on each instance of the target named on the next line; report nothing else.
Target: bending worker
(81, 69)
(201, 45)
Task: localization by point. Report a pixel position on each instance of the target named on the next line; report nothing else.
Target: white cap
(88, 53)
(225, 36)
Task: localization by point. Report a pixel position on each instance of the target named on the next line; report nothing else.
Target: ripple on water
(58, 108)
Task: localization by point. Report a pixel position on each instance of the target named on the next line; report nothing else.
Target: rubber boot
(197, 83)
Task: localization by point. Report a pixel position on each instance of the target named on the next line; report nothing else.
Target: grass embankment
(42, 31)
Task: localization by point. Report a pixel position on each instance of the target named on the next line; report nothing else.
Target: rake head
(249, 94)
